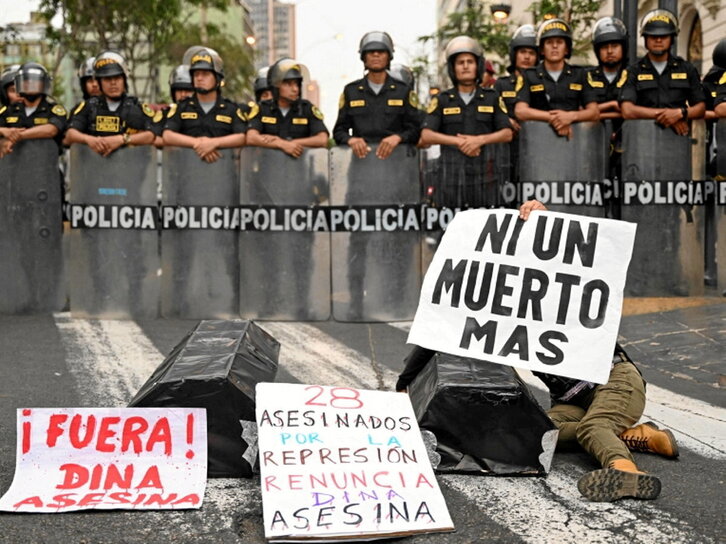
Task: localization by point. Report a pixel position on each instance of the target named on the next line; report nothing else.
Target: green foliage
(579, 14)
(142, 31)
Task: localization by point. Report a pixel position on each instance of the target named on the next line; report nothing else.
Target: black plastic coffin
(216, 366)
(483, 416)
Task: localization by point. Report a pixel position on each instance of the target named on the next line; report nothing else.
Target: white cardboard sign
(343, 464)
(543, 294)
(108, 458)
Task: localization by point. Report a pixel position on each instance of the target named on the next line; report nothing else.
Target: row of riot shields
(253, 234)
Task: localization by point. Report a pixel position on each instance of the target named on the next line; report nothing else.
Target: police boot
(621, 479)
(648, 438)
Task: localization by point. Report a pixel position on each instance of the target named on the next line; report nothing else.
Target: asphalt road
(57, 361)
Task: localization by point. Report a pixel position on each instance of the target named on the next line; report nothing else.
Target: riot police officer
(180, 83)
(522, 55)
(463, 120)
(610, 42)
(378, 108)
(555, 91)
(113, 120)
(8, 94)
(205, 121)
(87, 79)
(287, 122)
(662, 86)
(710, 87)
(719, 91)
(261, 86)
(36, 115)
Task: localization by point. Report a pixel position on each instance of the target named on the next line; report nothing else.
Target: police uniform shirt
(676, 87)
(449, 114)
(507, 88)
(189, 118)
(570, 92)
(394, 110)
(94, 117)
(302, 120)
(604, 89)
(720, 91)
(47, 112)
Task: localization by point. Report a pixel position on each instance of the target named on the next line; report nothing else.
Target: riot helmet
(109, 64)
(719, 54)
(180, 78)
(376, 40)
(555, 28)
(284, 69)
(85, 73)
(261, 85)
(659, 22)
(7, 77)
(32, 80)
(607, 30)
(463, 44)
(524, 36)
(205, 58)
(401, 72)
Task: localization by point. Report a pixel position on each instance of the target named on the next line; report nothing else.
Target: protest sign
(543, 294)
(343, 464)
(108, 458)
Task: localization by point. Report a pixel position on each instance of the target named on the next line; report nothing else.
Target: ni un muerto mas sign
(543, 294)
(338, 463)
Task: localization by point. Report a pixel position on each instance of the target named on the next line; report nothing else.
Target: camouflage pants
(596, 421)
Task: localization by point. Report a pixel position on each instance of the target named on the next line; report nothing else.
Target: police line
(378, 218)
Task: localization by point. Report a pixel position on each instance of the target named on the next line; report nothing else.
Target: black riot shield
(453, 180)
(668, 254)
(217, 366)
(31, 229)
(567, 175)
(114, 265)
(720, 203)
(484, 418)
(376, 275)
(199, 262)
(284, 266)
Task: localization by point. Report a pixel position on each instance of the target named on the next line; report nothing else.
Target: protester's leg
(615, 407)
(566, 418)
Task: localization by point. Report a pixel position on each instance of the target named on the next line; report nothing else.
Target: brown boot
(621, 479)
(648, 438)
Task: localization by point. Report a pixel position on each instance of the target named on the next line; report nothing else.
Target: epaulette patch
(317, 113)
(79, 107)
(413, 99)
(502, 105)
(59, 110)
(432, 105)
(254, 110)
(171, 112)
(147, 110)
(341, 101)
(623, 79)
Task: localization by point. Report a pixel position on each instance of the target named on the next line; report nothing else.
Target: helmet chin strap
(610, 64)
(204, 91)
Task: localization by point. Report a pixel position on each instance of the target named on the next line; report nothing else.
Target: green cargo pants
(596, 420)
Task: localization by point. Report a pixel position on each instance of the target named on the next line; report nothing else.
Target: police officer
(87, 79)
(719, 89)
(378, 108)
(113, 120)
(555, 91)
(36, 115)
(180, 83)
(522, 55)
(401, 72)
(463, 120)
(205, 121)
(262, 88)
(662, 86)
(287, 122)
(8, 94)
(710, 87)
(610, 42)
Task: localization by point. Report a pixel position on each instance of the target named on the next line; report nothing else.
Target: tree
(142, 31)
(579, 14)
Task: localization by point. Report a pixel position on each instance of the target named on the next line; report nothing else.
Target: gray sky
(328, 32)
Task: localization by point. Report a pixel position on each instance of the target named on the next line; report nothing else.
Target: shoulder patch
(158, 116)
(723, 79)
(433, 105)
(2, 109)
(254, 110)
(623, 78)
(502, 105)
(341, 101)
(59, 110)
(79, 107)
(317, 113)
(241, 115)
(519, 84)
(171, 112)
(594, 84)
(413, 99)
(147, 110)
